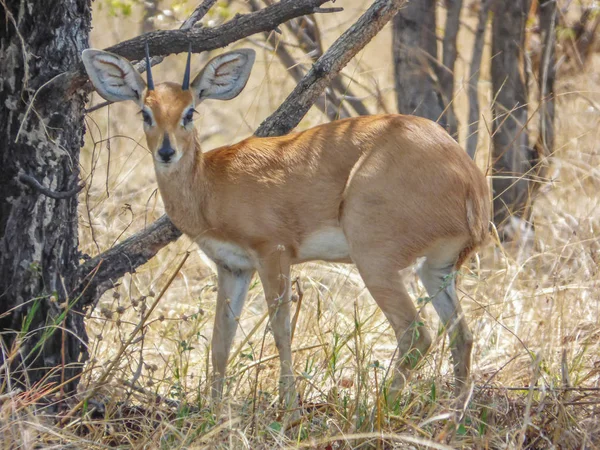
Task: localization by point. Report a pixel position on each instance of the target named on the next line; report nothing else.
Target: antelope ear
(113, 76)
(224, 77)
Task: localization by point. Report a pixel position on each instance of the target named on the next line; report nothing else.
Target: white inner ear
(225, 76)
(114, 77)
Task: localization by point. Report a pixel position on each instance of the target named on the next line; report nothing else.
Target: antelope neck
(182, 188)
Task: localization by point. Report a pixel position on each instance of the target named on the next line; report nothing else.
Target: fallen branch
(142, 246)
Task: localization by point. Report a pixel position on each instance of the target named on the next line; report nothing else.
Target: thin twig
(474, 71)
(299, 304)
(108, 371)
(60, 195)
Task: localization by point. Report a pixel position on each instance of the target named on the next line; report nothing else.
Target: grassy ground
(534, 313)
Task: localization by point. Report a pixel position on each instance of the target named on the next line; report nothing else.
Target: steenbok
(377, 191)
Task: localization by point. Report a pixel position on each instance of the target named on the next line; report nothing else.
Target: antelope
(377, 191)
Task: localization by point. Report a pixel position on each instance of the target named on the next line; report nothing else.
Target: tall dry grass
(534, 313)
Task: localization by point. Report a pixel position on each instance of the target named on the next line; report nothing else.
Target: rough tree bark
(42, 328)
(415, 56)
(513, 157)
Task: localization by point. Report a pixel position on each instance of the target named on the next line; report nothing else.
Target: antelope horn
(149, 69)
(186, 76)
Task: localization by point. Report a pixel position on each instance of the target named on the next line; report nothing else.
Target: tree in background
(150, 12)
(425, 86)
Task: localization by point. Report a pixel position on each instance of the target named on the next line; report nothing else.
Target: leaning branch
(289, 114)
(126, 257)
(101, 272)
(296, 71)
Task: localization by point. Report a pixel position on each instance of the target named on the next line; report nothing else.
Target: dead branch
(308, 35)
(197, 15)
(167, 42)
(474, 72)
(141, 247)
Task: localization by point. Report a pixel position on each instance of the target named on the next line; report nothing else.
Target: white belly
(227, 254)
(327, 244)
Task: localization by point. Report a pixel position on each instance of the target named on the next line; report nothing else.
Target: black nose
(165, 151)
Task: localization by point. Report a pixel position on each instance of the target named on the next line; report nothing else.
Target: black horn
(149, 69)
(186, 76)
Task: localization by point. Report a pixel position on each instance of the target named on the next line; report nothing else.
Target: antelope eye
(188, 117)
(147, 117)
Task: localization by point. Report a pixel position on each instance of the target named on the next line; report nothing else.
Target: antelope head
(168, 109)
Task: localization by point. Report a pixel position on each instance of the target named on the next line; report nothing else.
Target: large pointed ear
(113, 76)
(225, 76)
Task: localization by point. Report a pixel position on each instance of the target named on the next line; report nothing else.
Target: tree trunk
(474, 74)
(150, 11)
(43, 331)
(445, 71)
(548, 20)
(512, 154)
(415, 57)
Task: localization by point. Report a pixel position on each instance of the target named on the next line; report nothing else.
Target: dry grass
(534, 314)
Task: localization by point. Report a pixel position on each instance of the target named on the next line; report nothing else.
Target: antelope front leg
(233, 287)
(275, 277)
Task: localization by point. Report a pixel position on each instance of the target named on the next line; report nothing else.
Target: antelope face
(168, 115)
(167, 109)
